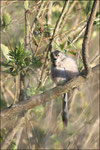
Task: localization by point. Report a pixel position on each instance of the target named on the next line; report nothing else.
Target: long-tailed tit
(63, 68)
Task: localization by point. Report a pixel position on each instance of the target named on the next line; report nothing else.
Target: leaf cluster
(19, 60)
(6, 20)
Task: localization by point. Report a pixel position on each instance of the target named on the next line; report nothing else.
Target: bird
(63, 69)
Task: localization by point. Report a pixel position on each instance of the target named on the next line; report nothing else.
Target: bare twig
(26, 29)
(70, 32)
(49, 13)
(4, 95)
(87, 36)
(78, 51)
(78, 36)
(38, 15)
(31, 35)
(78, 14)
(96, 56)
(73, 99)
(41, 23)
(26, 128)
(7, 4)
(59, 21)
(7, 90)
(93, 129)
(43, 66)
(18, 137)
(5, 79)
(66, 15)
(15, 129)
(11, 134)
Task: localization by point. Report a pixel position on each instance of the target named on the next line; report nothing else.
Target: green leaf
(80, 64)
(62, 45)
(5, 51)
(71, 52)
(36, 63)
(26, 5)
(38, 27)
(98, 14)
(69, 43)
(19, 60)
(4, 64)
(13, 146)
(57, 46)
(6, 19)
(97, 20)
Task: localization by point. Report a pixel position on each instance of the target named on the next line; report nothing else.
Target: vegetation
(30, 30)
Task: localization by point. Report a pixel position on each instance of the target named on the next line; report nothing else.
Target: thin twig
(26, 128)
(78, 14)
(59, 21)
(7, 90)
(93, 129)
(49, 14)
(43, 66)
(5, 96)
(26, 29)
(18, 137)
(78, 36)
(95, 58)
(31, 35)
(6, 78)
(11, 134)
(66, 15)
(7, 4)
(70, 32)
(37, 16)
(41, 23)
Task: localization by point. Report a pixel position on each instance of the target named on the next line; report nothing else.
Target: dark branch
(87, 36)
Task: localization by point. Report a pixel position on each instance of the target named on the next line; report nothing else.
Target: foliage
(97, 20)
(13, 145)
(6, 19)
(19, 60)
(31, 90)
(26, 5)
(3, 134)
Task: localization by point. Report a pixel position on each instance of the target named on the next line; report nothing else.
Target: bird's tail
(65, 109)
